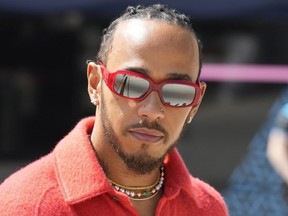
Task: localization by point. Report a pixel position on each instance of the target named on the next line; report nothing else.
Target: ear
(93, 78)
(194, 109)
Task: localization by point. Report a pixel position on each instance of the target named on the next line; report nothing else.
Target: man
(145, 85)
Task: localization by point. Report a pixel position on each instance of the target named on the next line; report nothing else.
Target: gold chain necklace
(141, 193)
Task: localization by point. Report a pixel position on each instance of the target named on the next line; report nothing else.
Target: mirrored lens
(178, 94)
(130, 86)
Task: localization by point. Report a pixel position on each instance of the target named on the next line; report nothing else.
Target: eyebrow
(138, 70)
(170, 76)
(177, 76)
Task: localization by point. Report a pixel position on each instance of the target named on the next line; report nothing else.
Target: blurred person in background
(277, 145)
(258, 185)
(123, 161)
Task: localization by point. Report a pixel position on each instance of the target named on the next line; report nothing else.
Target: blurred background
(44, 46)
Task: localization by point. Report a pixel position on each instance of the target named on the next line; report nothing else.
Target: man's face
(159, 51)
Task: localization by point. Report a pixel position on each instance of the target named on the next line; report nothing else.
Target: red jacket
(70, 181)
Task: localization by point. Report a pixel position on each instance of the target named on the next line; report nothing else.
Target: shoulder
(26, 191)
(191, 195)
(207, 198)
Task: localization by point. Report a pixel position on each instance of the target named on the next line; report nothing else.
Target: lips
(146, 135)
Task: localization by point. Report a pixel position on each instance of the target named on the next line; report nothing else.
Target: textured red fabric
(70, 181)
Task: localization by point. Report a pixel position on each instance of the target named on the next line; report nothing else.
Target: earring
(189, 119)
(94, 101)
(161, 109)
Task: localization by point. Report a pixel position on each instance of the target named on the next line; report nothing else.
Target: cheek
(119, 110)
(112, 101)
(175, 124)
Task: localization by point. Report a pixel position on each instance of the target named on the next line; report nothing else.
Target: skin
(277, 152)
(161, 51)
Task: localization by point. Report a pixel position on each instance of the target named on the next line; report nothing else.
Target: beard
(140, 162)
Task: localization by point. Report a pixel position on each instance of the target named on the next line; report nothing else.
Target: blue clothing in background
(254, 187)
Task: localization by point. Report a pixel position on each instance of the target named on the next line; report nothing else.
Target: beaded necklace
(141, 193)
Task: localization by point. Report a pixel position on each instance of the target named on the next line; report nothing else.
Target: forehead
(153, 44)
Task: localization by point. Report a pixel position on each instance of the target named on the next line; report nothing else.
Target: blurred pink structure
(245, 73)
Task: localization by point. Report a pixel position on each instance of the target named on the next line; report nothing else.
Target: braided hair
(153, 12)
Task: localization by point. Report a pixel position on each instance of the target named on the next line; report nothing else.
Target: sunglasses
(136, 86)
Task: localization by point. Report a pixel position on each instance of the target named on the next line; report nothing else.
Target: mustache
(149, 125)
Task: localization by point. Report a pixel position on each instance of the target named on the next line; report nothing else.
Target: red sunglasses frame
(109, 79)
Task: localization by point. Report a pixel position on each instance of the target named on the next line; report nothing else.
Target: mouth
(146, 135)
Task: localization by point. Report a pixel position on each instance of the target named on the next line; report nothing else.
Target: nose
(151, 107)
